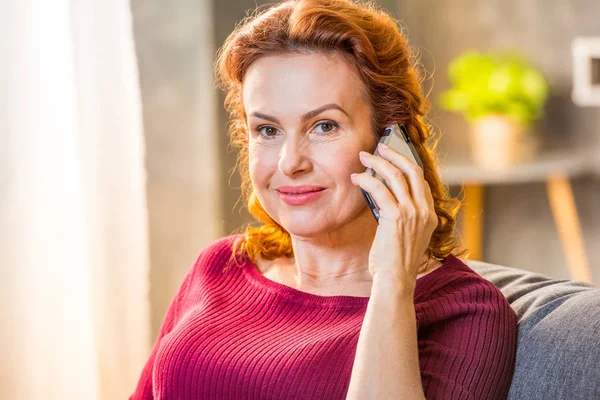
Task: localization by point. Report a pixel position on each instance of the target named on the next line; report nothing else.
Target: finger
(434, 219)
(415, 175)
(394, 178)
(429, 195)
(381, 194)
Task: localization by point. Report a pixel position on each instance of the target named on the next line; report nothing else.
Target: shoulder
(455, 290)
(206, 272)
(218, 248)
(467, 334)
(213, 257)
(197, 280)
(455, 278)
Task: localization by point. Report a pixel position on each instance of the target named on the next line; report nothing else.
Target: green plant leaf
(468, 67)
(534, 87)
(494, 83)
(454, 100)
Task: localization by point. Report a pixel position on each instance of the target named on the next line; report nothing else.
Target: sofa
(558, 346)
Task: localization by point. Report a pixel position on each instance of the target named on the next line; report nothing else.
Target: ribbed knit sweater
(235, 334)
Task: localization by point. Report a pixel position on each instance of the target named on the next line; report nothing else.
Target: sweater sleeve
(467, 343)
(143, 390)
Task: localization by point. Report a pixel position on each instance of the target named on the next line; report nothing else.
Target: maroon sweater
(236, 334)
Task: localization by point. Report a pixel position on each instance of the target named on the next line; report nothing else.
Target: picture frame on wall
(586, 71)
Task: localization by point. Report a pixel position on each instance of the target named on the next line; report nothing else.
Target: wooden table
(556, 169)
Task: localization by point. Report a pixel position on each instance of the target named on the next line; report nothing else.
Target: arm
(467, 342)
(386, 364)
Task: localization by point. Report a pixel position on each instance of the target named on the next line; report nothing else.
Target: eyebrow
(304, 117)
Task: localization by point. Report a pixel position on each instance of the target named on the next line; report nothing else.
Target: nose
(293, 156)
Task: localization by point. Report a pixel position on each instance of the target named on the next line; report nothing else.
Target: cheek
(260, 165)
(345, 161)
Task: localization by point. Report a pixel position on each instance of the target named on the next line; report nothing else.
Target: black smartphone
(396, 137)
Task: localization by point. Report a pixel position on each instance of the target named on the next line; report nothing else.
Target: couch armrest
(528, 291)
(558, 348)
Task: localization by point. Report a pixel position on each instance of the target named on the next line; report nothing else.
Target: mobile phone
(395, 136)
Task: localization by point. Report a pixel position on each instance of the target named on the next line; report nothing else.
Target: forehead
(299, 82)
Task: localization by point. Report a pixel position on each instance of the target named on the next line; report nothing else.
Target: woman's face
(307, 119)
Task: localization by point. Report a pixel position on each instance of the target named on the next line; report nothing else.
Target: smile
(299, 199)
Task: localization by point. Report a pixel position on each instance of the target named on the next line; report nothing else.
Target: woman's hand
(407, 215)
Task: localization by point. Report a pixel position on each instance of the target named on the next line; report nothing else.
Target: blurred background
(115, 169)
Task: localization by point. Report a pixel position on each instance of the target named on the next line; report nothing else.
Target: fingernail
(352, 176)
(363, 154)
(383, 146)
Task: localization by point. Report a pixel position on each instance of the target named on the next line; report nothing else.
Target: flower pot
(498, 141)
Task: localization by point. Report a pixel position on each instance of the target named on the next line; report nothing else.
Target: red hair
(369, 39)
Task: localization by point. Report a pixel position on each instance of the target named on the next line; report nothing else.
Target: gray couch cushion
(558, 348)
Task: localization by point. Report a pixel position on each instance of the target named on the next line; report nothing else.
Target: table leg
(562, 202)
(472, 225)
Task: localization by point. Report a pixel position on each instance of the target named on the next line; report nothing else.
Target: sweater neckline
(253, 274)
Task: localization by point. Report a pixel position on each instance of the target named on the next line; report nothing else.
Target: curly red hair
(369, 39)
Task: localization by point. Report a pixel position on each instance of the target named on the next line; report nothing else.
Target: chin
(303, 224)
(311, 223)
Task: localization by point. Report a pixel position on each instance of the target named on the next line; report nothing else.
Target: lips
(300, 197)
(299, 189)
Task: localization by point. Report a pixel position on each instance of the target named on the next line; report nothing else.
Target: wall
(175, 50)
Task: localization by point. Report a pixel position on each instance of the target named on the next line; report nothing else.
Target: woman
(322, 301)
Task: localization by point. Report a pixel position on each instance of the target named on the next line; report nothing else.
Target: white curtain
(73, 219)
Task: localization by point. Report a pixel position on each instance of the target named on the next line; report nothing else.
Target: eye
(327, 127)
(267, 131)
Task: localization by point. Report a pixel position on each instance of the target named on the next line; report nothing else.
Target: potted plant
(500, 94)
